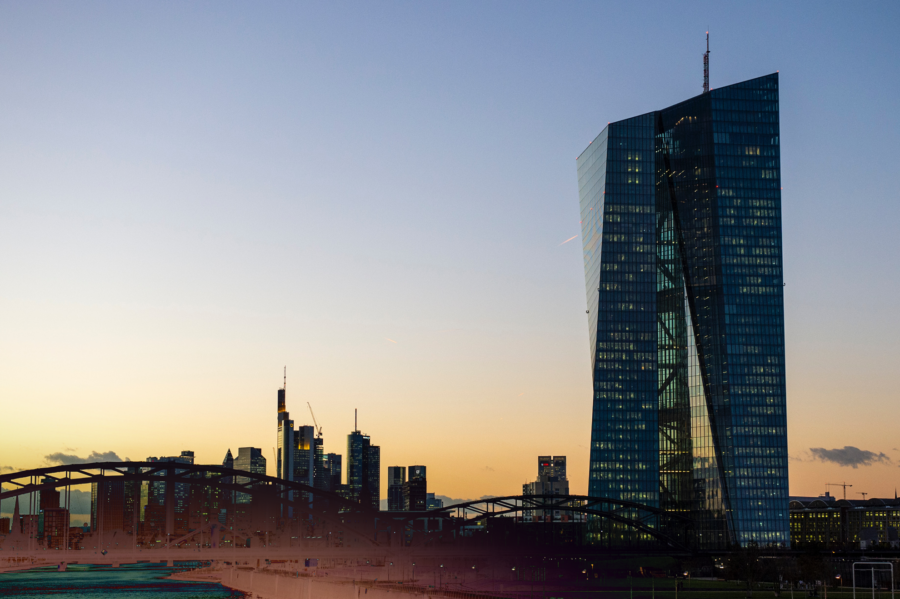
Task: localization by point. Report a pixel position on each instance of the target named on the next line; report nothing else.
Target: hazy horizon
(383, 198)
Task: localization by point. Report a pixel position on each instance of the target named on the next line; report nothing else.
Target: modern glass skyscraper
(681, 226)
(363, 469)
(250, 459)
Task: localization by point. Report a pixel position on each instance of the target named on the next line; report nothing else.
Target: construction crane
(863, 494)
(318, 428)
(845, 485)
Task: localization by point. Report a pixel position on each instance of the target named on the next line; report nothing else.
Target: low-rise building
(844, 523)
(432, 502)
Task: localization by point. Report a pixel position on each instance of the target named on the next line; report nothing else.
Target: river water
(137, 581)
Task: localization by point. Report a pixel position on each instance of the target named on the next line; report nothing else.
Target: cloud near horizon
(67, 458)
(849, 456)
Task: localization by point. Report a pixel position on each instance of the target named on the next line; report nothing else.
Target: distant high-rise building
(334, 470)
(300, 454)
(108, 506)
(374, 475)
(49, 498)
(682, 238)
(363, 464)
(157, 497)
(228, 462)
(551, 480)
(552, 466)
(55, 526)
(284, 464)
(415, 490)
(305, 455)
(396, 477)
(432, 502)
(250, 459)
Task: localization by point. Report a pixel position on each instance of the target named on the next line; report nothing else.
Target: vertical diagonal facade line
(681, 226)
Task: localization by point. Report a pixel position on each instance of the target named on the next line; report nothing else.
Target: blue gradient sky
(194, 194)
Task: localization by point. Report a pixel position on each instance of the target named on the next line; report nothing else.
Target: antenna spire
(355, 427)
(285, 378)
(706, 66)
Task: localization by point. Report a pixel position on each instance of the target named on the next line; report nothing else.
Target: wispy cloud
(489, 469)
(568, 240)
(7, 469)
(67, 458)
(848, 456)
(391, 340)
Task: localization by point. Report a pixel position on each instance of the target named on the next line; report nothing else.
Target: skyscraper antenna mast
(285, 378)
(706, 66)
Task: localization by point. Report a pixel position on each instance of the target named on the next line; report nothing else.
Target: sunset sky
(382, 197)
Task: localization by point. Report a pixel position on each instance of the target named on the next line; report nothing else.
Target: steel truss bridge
(311, 517)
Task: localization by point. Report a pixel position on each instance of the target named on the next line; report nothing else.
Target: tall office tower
(374, 475)
(54, 526)
(551, 480)
(108, 506)
(305, 455)
(415, 490)
(396, 477)
(250, 459)
(284, 462)
(681, 226)
(132, 503)
(228, 462)
(168, 504)
(363, 464)
(432, 502)
(333, 468)
(552, 466)
(207, 503)
(49, 498)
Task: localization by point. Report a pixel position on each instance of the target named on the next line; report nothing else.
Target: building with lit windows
(252, 460)
(551, 480)
(363, 470)
(396, 479)
(845, 524)
(333, 470)
(415, 490)
(681, 232)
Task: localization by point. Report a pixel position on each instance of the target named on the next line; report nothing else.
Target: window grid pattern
(621, 292)
(686, 313)
(747, 155)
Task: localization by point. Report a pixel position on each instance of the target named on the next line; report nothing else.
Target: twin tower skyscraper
(681, 230)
